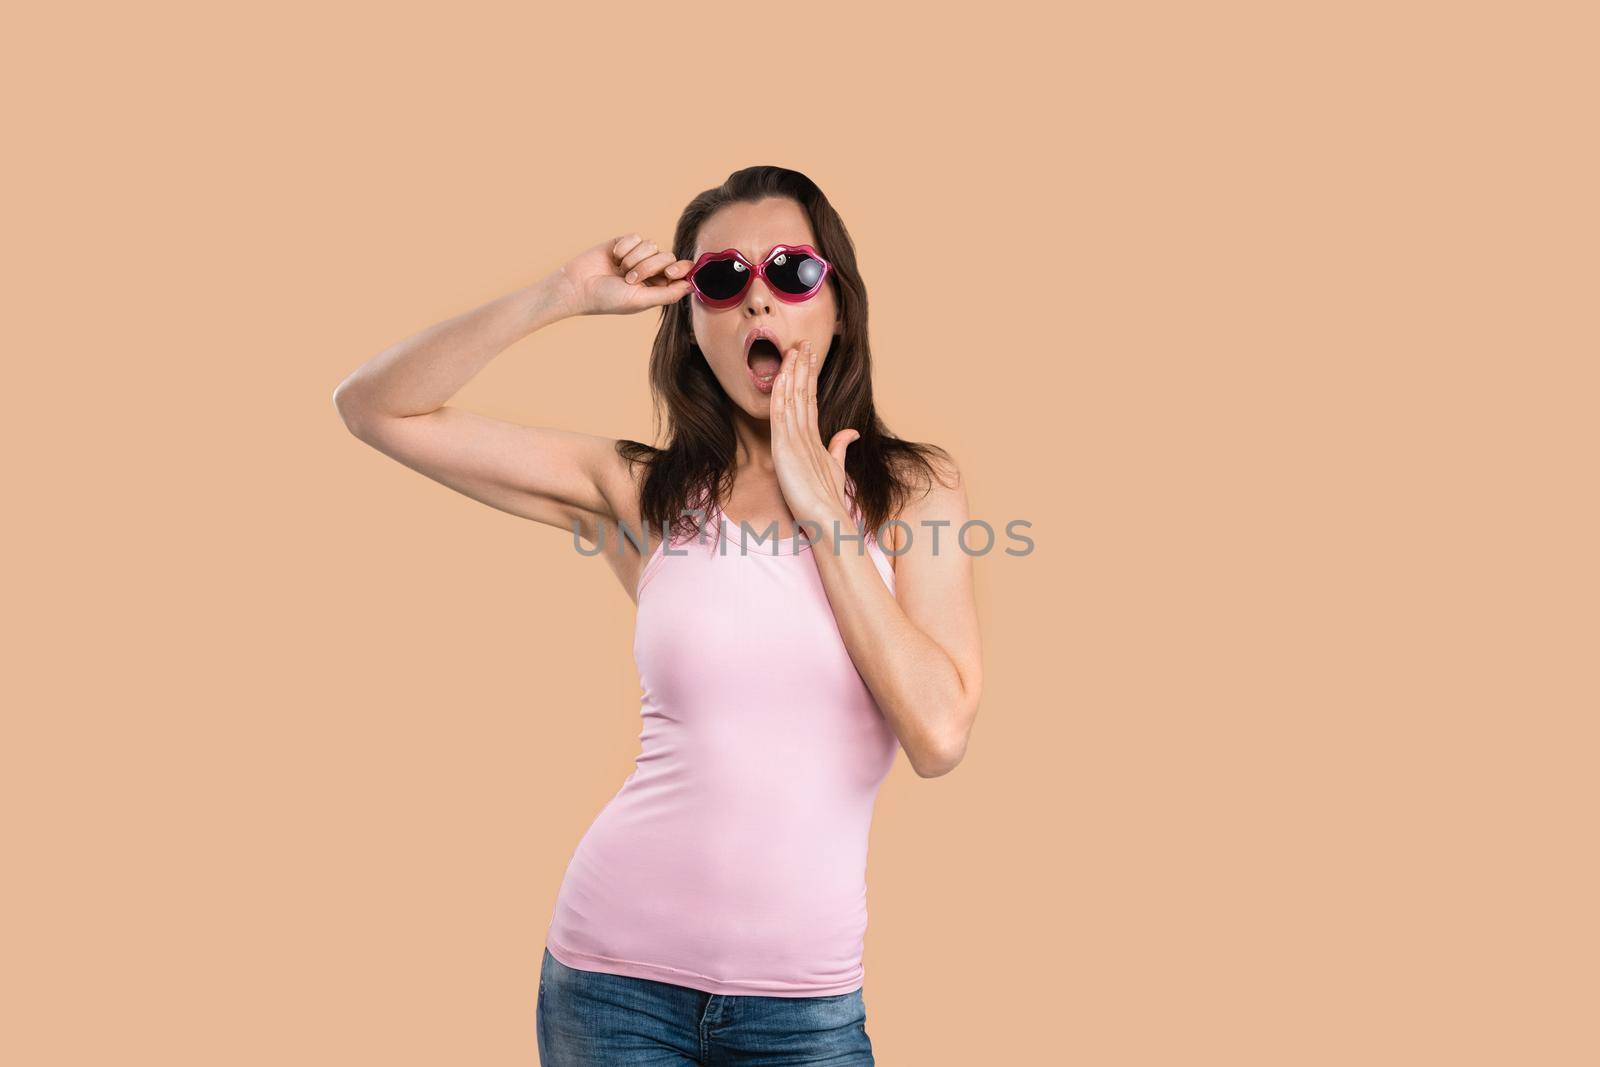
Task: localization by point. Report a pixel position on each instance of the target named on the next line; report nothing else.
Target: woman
(715, 911)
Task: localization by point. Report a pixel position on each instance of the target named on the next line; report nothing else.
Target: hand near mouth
(811, 476)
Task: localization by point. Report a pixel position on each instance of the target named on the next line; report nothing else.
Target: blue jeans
(588, 1018)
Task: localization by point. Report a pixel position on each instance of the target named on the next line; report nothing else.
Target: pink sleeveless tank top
(733, 858)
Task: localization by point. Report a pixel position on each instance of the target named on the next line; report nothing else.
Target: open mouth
(764, 359)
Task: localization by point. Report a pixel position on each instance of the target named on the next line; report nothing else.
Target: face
(731, 338)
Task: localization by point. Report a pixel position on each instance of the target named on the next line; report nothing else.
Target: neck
(752, 443)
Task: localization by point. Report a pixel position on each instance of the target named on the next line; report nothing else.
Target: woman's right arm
(395, 402)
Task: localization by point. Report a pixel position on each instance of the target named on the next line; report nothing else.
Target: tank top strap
(704, 529)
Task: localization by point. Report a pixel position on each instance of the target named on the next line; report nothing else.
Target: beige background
(1280, 328)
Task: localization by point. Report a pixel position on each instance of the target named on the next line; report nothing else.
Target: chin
(760, 408)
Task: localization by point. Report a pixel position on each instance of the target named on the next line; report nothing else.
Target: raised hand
(811, 475)
(620, 277)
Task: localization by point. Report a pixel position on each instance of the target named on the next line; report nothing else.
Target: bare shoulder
(939, 502)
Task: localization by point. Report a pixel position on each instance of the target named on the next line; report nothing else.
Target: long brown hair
(696, 467)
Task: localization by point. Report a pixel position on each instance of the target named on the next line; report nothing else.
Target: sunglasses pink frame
(758, 270)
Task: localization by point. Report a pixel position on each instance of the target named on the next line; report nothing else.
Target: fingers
(648, 267)
(791, 390)
(808, 392)
(794, 393)
(667, 293)
(659, 271)
(678, 268)
(632, 251)
(637, 254)
(779, 395)
(624, 244)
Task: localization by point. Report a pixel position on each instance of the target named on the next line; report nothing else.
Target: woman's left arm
(918, 648)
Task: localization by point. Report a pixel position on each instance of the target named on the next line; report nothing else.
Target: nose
(758, 299)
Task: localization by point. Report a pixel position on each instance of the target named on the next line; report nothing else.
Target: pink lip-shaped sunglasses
(793, 273)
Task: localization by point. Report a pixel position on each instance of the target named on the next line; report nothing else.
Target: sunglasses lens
(794, 272)
(722, 279)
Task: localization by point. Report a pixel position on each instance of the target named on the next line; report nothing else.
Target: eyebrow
(742, 252)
